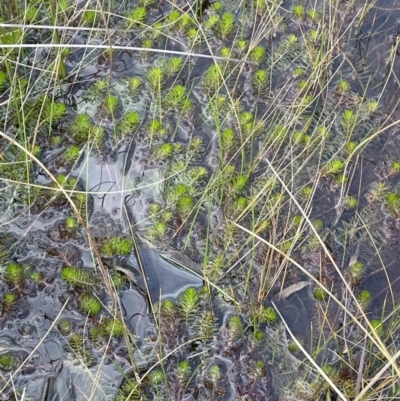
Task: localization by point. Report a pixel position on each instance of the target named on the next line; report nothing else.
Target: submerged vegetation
(252, 146)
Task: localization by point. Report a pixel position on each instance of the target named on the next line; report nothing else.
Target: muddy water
(123, 180)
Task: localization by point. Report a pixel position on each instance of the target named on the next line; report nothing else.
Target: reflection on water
(122, 179)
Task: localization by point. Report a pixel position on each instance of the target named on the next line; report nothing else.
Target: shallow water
(124, 179)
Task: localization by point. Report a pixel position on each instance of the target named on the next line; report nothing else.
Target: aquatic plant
(116, 246)
(68, 183)
(377, 325)
(9, 300)
(110, 103)
(260, 80)
(303, 84)
(235, 326)
(299, 11)
(54, 111)
(378, 191)
(128, 123)
(318, 224)
(206, 324)
(364, 298)
(175, 96)
(77, 343)
(257, 54)
(393, 202)
(147, 44)
(173, 17)
(239, 204)
(112, 327)
(157, 231)
(298, 72)
(72, 153)
(71, 223)
(14, 274)
(228, 140)
(188, 301)
(314, 14)
(351, 202)
(31, 15)
(226, 52)
(240, 182)
(80, 127)
(258, 336)
(155, 377)
(343, 86)
(183, 371)
(81, 203)
(395, 166)
(178, 21)
(7, 361)
(186, 22)
(196, 146)
(155, 77)
(216, 7)
(164, 151)
(293, 347)
(37, 276)
(245, 117)
(95, 334)
(168, 307)
(137, 16)
(372, 106)
(193, 35)
(173, 66)
(348, 119)
(65, 326)
(268, 315)
(109, 53)
(185, 205)
(357, 269)
(157, 129)
(118, 280)
(319, 294)
(89, 17)
(297, 137)
(3, 80)
(212, 77)
(226, 25)
(279, 133)
(335, 166)
(177, 191)
(258, 368)
(285, 246)
(129, 391)
(77, 277)
(131, 119)
(198, 174)
(63, 5)
(350, 147)
(214, 372)
(100, 86)
(90, 305)
(241, 46)
(135, 83)
(313, 37)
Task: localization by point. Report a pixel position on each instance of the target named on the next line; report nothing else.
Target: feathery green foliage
(14, 274)
(188, 301)
(117, 246)
(90, 305)
(77, 277)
